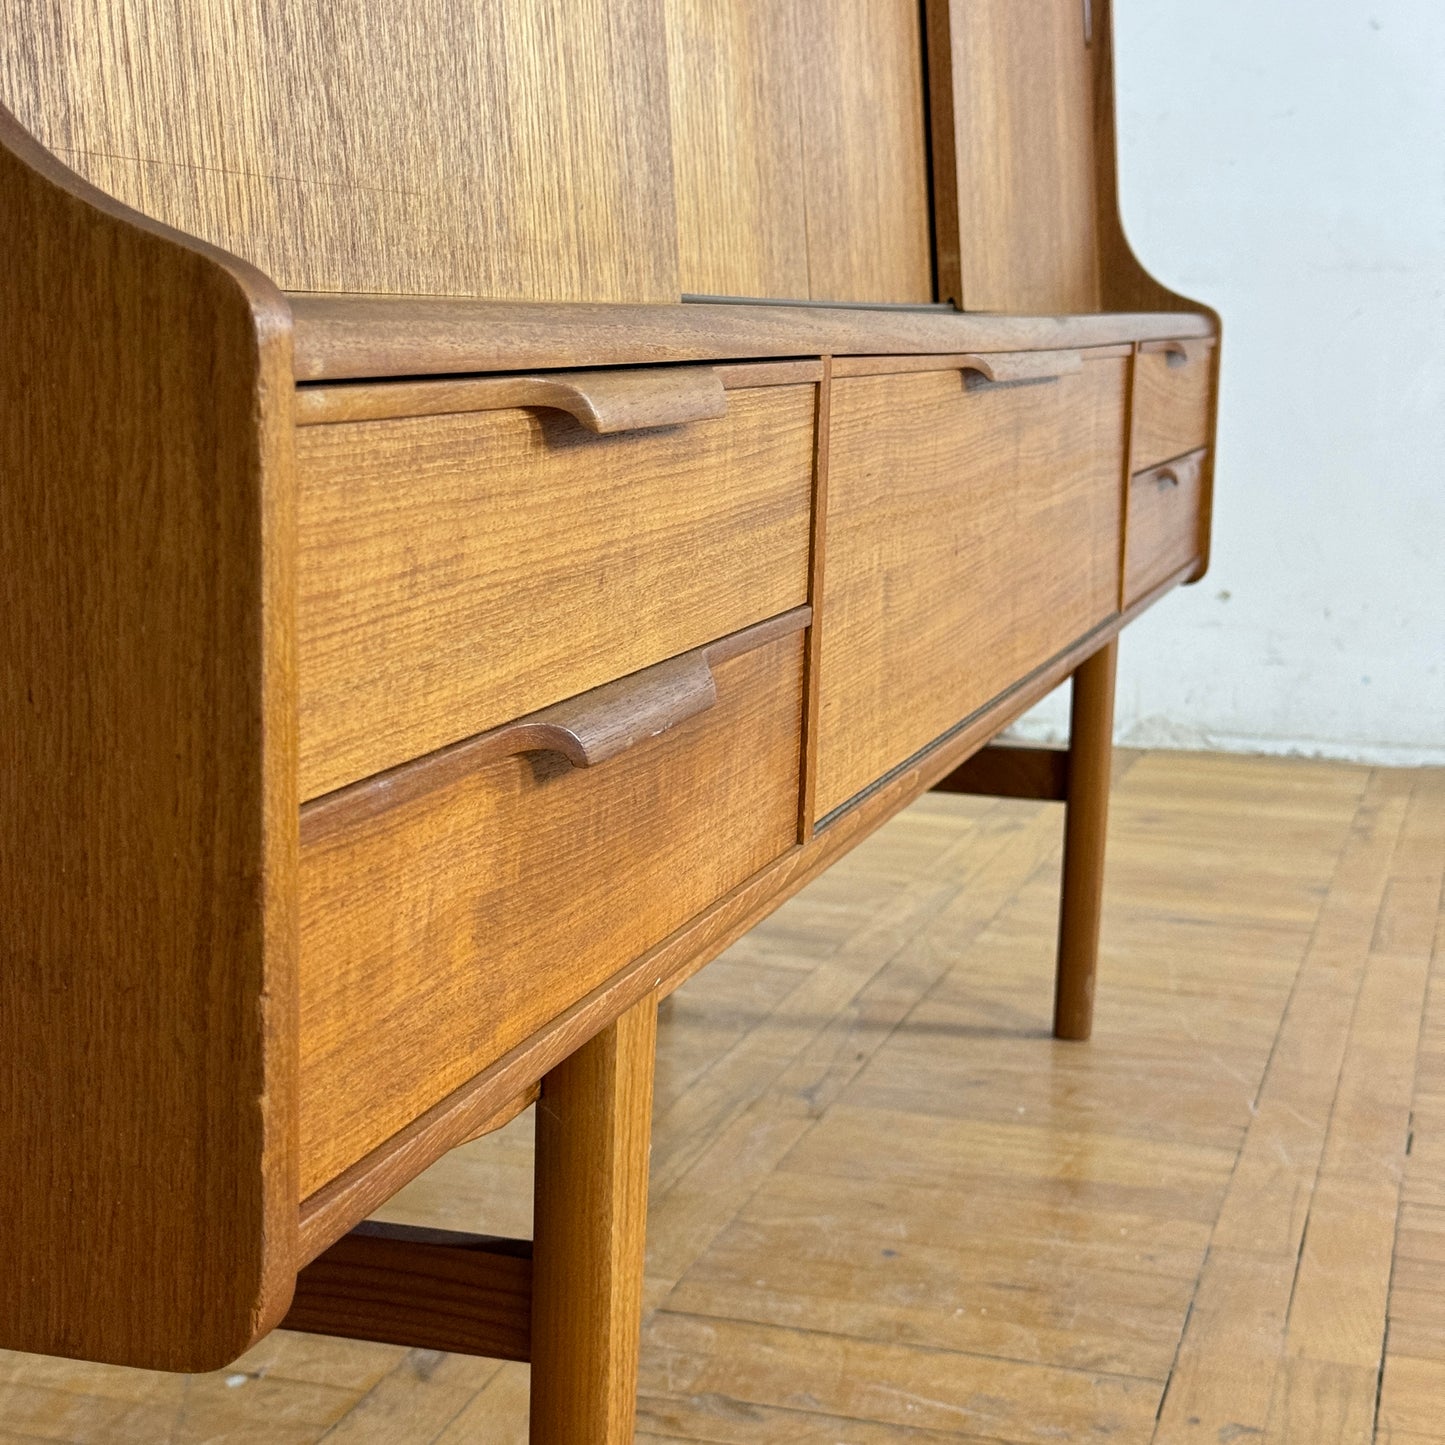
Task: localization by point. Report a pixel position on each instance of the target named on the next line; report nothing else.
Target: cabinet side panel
(147, 786)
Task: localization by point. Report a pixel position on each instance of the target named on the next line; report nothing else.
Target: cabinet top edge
(350, 337)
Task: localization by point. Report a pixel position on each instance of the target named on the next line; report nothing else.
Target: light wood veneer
(458, 571)
(451, 909)
(1172, 391)
(972, 532)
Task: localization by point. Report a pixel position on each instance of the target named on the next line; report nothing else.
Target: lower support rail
(435, 1289)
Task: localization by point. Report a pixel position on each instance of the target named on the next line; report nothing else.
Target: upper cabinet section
(861, 151)
(800, 150)
(516, 149)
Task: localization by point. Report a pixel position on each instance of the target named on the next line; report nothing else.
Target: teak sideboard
(496, 496)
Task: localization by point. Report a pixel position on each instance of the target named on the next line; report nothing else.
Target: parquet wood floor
(887, 1207)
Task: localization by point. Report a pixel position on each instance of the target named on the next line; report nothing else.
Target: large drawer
(973, 532)
(1165, 528)
(1172, 382)
(451, 908)
(460, 569)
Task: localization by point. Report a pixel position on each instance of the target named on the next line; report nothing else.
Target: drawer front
(1165, 529)
(973, 532)
(1171, 400)
(460, 570)
(449, 910)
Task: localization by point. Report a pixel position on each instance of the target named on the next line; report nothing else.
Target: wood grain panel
(973, 532)
(734, 75)
(459, 571)
(445, 929)
(1011, 90)
(147, 785)
(865, 151)
(800, 152)
(440, 147)
(1171, 401)
(1165, 526)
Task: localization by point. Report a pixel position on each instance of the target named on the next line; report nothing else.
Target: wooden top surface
(343, 336)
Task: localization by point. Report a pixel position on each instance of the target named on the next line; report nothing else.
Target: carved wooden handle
(1023, 365)
(585, 730)
(624, 400)
(600, 724)
(619, 399)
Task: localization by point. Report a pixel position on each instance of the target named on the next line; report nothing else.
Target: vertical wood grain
(440, 147)
(147, 785)
(1091, 753)
(733, 80)
(800, 149)
(865, 151)
(1011, 87)
(594, 1132)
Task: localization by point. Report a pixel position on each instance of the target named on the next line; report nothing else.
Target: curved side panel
(148, 811)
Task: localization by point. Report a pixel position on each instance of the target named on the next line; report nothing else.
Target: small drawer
(473, 550)
(452, 907)
(1165, 529)
(1171, 400)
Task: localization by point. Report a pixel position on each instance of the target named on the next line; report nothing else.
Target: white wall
(1285, 160)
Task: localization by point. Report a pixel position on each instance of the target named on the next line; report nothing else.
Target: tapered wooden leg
(1091, 748)
(594, 1131)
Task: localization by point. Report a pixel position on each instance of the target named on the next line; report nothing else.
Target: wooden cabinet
(1172, 385)
(454, 907)
(1166, 523)
(459, 570)
(324, 841)
(973, 531)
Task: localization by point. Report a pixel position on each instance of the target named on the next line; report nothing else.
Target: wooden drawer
(452, 907)
(1172, 382)
(1165, 529)
(973, 532)
(461, 569)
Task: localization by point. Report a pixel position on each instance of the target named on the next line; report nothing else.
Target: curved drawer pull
(585, 730)
(600, 724)
(1167, 477)
(1175, 353)
(614, 401)
(1023, 365)
(607, 401)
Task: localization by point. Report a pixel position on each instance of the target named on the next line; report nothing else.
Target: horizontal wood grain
(331, 1210)
(1165, 527)
(338, 337)
(1011, 770)
(972, 532)
(442, 925)
(429, 1289)
(459, 571)
(1171, 409)
(433, 148)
